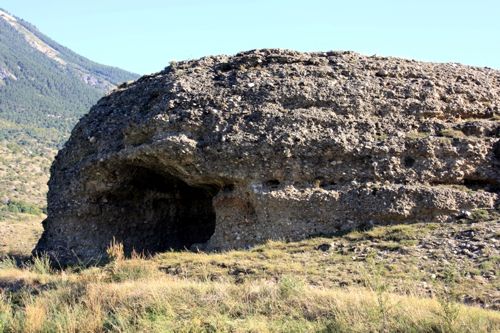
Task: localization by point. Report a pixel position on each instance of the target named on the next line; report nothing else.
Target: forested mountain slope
(45, 87)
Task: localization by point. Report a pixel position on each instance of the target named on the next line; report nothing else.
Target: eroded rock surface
(226, 152)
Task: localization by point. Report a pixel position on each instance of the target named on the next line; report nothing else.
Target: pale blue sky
(143, 36)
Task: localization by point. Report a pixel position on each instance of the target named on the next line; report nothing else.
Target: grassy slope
(24, 173)
(395, 278)
(23, 180)
(37, 111)
(19, 234)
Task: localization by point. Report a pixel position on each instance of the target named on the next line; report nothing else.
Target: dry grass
(93, 301)
(276, 287)
(452, 133)
(417, 135)
(19, 234)
(379, 280)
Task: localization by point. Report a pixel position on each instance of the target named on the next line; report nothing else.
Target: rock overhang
(283, 144)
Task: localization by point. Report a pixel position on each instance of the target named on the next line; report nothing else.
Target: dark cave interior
(153, 211)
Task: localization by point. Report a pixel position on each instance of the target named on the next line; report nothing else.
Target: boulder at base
(230, 151)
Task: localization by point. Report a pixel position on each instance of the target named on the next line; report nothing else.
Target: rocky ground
(410, 259)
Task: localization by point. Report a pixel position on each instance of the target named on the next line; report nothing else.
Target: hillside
(45, 87)
(271, 191)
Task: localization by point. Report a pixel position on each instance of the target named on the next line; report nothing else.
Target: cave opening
(481, 184)
(154, 211)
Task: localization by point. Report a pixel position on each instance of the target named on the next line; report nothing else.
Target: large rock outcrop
(273, 144)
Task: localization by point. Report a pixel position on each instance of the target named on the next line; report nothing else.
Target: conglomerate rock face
(226, 152)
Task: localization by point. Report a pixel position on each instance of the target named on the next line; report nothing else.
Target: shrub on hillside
(14, 206)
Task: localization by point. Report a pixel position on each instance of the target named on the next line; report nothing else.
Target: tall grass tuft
(448, 300)
(8, 263)
(41, 265)
(115, 251)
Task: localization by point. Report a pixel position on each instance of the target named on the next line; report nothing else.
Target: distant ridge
(45, 87)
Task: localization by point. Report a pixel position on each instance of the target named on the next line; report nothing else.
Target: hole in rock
(409, 161)
(153, 212)
(481, 184)
(272, 184)
(228, 188)
(496, 150)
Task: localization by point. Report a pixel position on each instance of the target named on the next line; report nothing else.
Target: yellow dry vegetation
(149, 301)
(275, 287)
